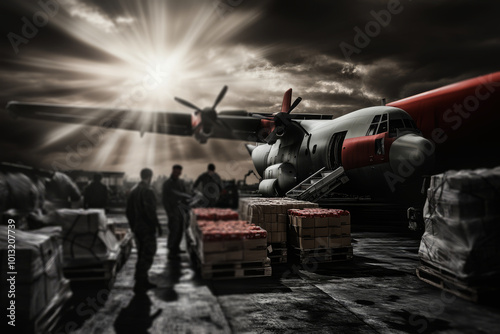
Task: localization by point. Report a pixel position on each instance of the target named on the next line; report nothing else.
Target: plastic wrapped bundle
(18, 192)
(462, 224)
(86, 237)
(38, 265)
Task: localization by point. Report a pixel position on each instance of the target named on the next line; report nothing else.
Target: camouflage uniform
(174, 196)
(141, 215)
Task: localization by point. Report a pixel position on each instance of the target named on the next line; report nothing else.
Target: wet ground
(377, 292)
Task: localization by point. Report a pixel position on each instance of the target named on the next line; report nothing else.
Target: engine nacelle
(278, 179)
(259, 158)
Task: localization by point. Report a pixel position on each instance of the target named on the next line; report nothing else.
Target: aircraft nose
(411, 155)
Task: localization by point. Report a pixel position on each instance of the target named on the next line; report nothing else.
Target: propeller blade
(220, 97)
(295, 103)
(271, 138)
(287, 100)
(186, 103)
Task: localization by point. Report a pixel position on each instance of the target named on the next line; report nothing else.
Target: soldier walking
(175, 199)
(143, 220)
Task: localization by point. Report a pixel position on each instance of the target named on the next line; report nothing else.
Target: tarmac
(377, 292)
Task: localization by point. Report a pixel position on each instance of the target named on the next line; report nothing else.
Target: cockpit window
(400, 124)
(383, 125)
(410, 124)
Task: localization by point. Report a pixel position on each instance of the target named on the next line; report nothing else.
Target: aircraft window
(395, 124)
(382, 127)
(372, 129)
(376, 119)
(384, 117)
(314, 148)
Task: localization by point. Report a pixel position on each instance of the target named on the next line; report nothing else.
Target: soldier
(175, 199)
(96, 194)
(141, 215)
(211, 186)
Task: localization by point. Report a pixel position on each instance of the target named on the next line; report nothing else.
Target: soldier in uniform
(175, 199)
(143, 220)
(96, 194)
(211, 186)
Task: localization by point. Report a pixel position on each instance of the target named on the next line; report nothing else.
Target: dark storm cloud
(427, 44)
(424, 46)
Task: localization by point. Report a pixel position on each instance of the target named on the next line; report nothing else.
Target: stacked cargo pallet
(91, 250)
(320, 235)
(39, 289)
(460, 249)
(271, 215)
(225, 247)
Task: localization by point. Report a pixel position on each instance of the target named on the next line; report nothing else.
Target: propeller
(208, 115)
(282, 120)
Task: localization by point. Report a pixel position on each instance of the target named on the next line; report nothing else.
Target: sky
(338, 56)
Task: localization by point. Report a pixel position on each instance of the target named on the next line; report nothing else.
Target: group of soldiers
(143, 219)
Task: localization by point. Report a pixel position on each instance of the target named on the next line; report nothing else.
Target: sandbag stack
(462, 227)
(40, 287)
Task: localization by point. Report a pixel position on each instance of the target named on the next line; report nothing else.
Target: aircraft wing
(237, 125)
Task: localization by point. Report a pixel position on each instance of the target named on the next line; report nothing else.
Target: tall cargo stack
(40, 288)
(320, 235)
(460, 249)
(227, 248)
(271, 215)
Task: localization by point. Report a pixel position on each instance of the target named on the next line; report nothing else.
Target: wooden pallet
(104, 271)
(47, 320)
(278, 253)
(322, 255)
(448, 282)
(236, 270)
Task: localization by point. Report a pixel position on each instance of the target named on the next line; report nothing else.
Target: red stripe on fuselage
(462, 119)
(360, 151)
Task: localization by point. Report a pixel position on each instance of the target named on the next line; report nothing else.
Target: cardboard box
(346, 229)
(249, 244)
(321, 222)
(305, 222)
(306, 243)
(321, 242)
(334, 221)
(232, 256)
(212, 246)
(334, 242)
(254, 255)
(345, 219)
(346, 241)
(233, 245)
(321, 231)
(335, 231)
(269, 218)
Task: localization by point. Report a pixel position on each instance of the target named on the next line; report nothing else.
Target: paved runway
(377, 292)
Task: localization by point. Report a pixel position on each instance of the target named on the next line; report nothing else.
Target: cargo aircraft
(383, 150)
